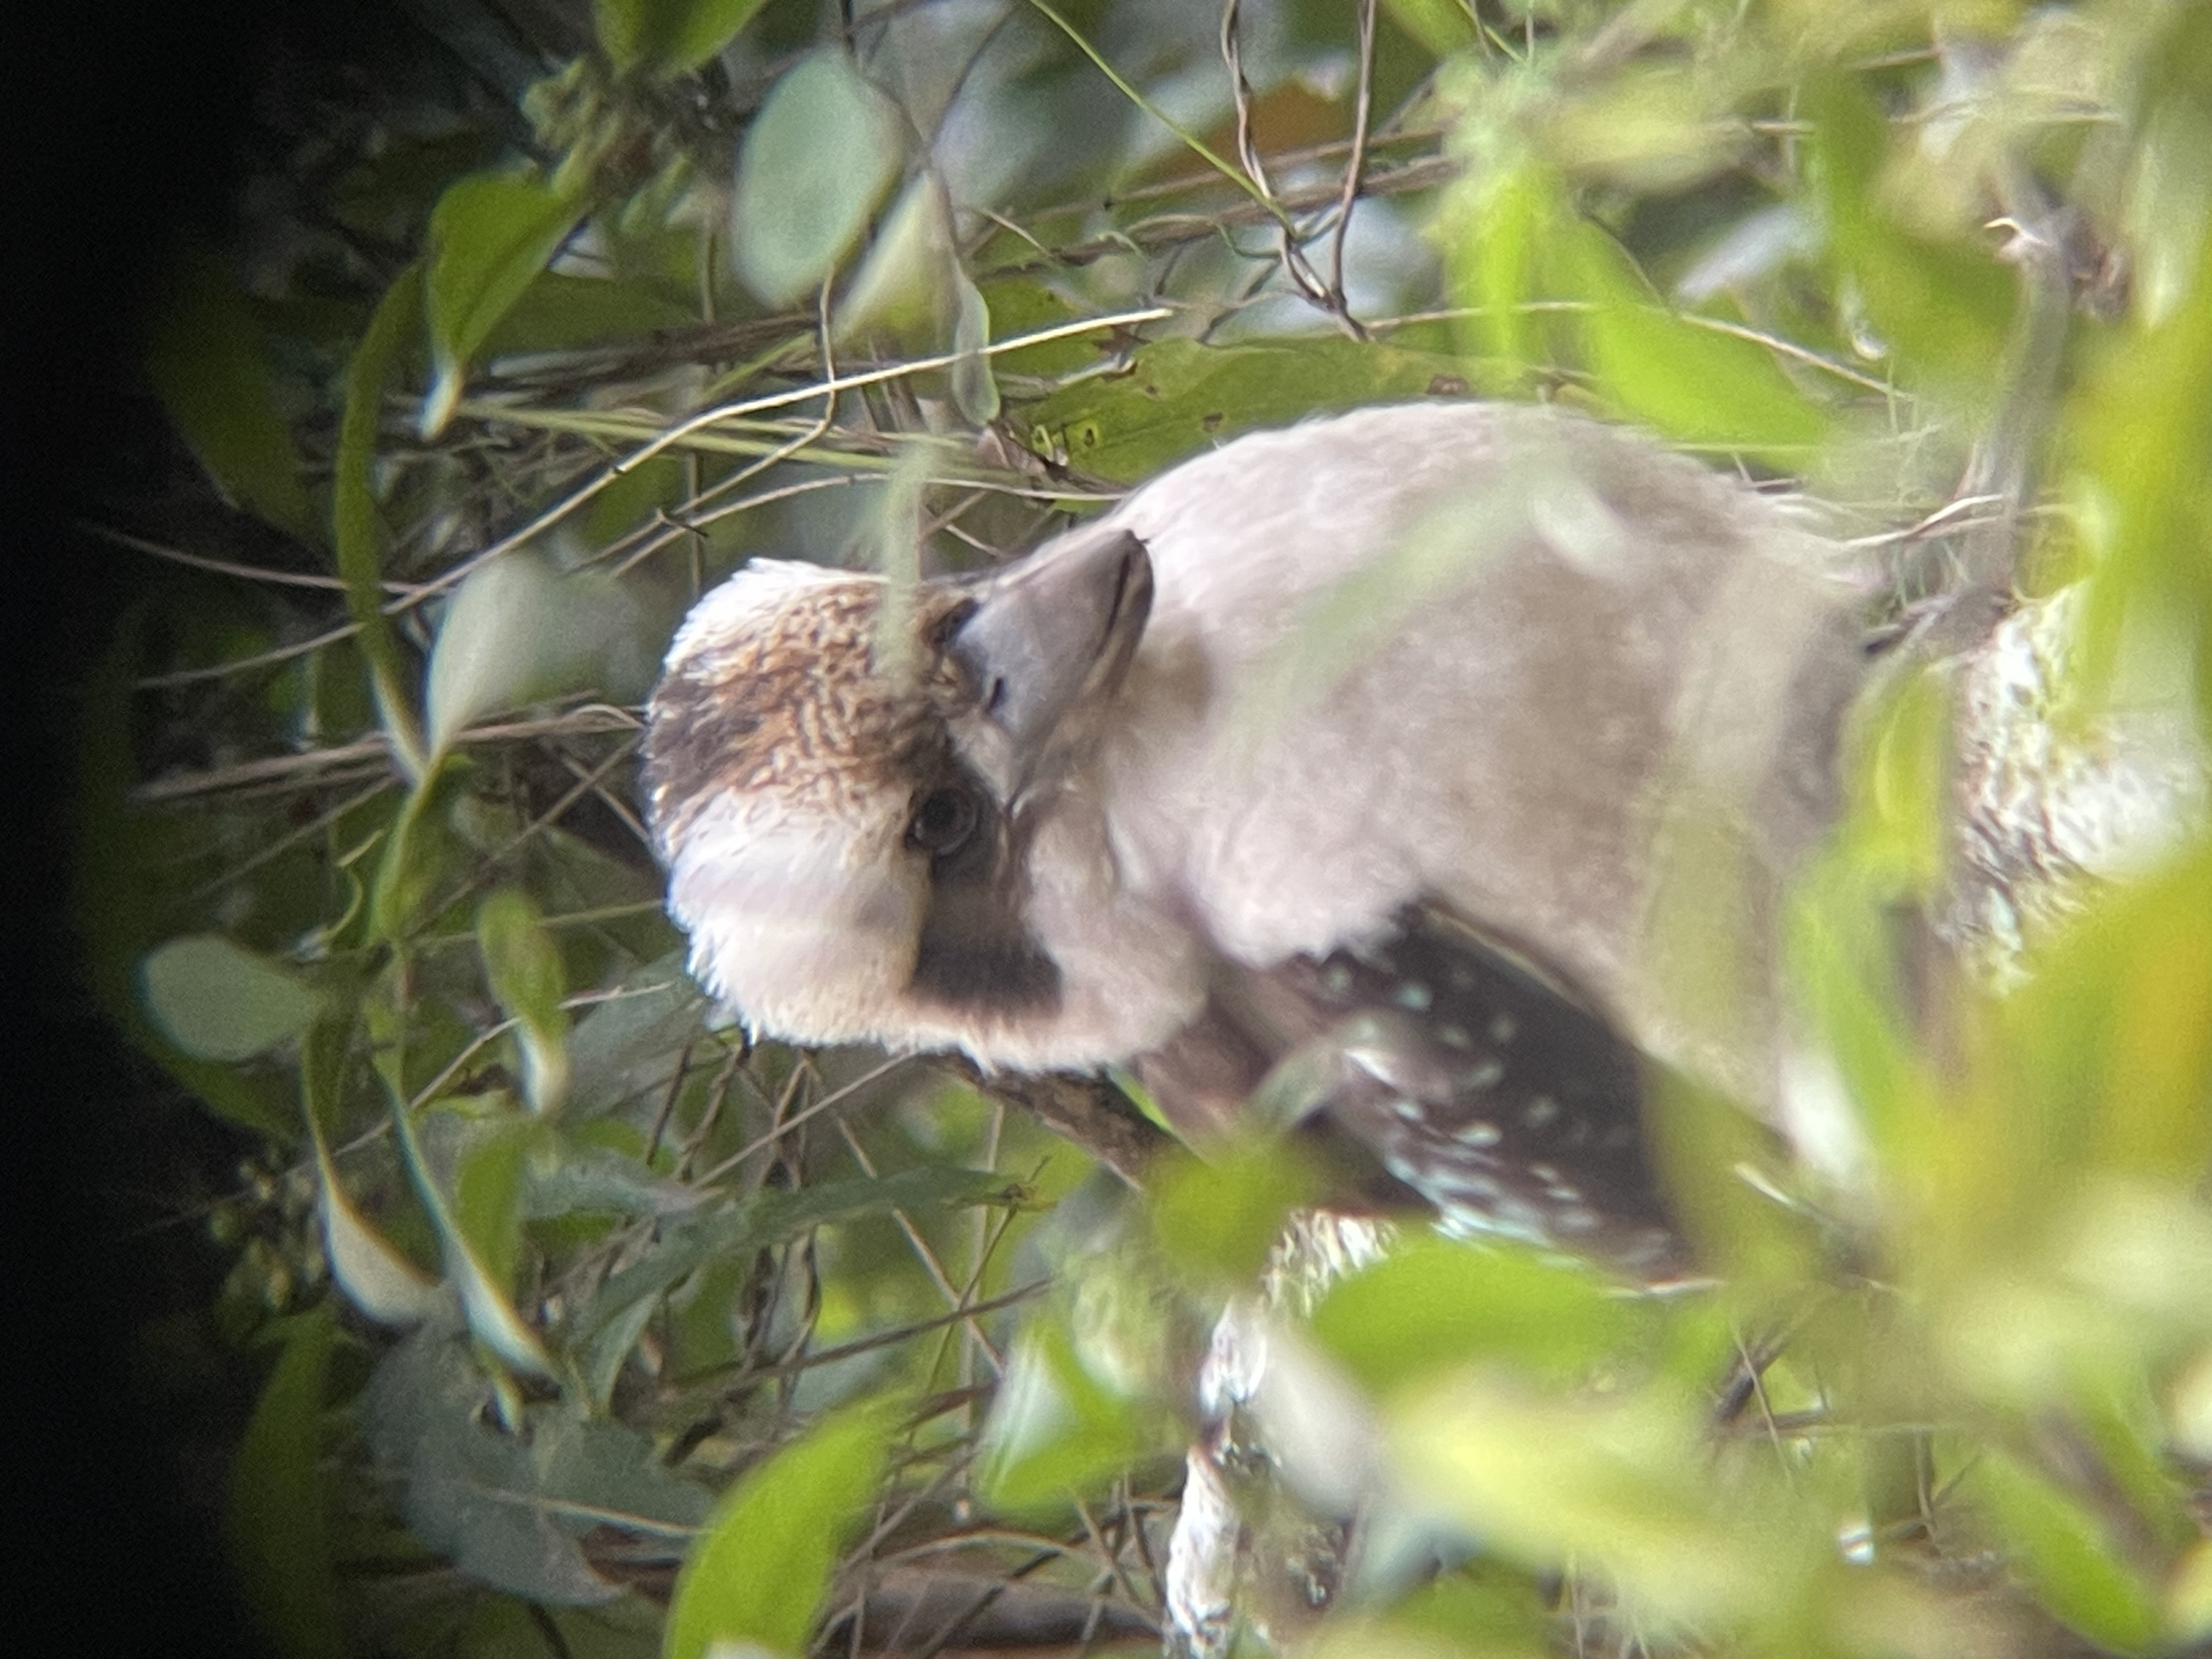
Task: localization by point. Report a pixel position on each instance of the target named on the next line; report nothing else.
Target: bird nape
(1347, 775)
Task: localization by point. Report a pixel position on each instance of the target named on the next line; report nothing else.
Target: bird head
(866, 799)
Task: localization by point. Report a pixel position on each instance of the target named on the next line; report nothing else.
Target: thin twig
(302, 768)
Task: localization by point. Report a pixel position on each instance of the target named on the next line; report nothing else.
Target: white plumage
(1419, 769)
(1476, 656)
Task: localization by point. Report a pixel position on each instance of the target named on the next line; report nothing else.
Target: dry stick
(1290, 253)
(829, 386)
(283, 844)
(689, 521)
(927, 1256)
(585, 718)
(221, 567)
(1109, 1555)
(797, 1118)
(675, 434)
(1170, 230)
(1361, 108)
(594, 778)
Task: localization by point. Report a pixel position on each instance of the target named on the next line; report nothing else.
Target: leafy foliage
(569, 1268)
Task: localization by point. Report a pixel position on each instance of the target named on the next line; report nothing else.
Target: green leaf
(816, 162)
(1943, 309)
(1614, 1482)
(1498, 221)
(974, 388)
(761, 1571)
(667, 37)
(275, 1523)
(524, 967)
(518, 631)
(216, 1002)
(1179, 397)
(2064, 1552)
(559, 312)
(563, 1177)
(1436, 1302)
(1022, 305)
(488, 1195)
(1058, 1430)
(373, 1275)
(421, 857)
(509, 1507)
(636, 1038)
(2111, 1043)
(357, 531)
(121, 899)
(766, 1218)
(903, 288)
(1443, 26)
(1219, 1217)
(472, 1267)
(490, 235)
(209, 365)
(1689, 383)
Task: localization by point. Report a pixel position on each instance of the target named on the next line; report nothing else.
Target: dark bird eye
(943, 821)
(941, 632)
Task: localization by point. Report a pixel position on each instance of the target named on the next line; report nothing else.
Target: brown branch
(1084, 1110)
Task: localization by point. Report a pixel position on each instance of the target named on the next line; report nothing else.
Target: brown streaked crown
(783, 693)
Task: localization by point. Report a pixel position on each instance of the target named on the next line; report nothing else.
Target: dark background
(123, 125)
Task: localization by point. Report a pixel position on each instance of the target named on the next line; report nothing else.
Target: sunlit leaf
(1498, 221)
(1058, 1430)
(217, 1001)
(1219, 1217)
(2189, 1596)
(667, 37)
(490, 235)
(815, 162)
(1692, 384)
(1435, 1302)
(1945, 310)
(761, 1569)
(2066, 1552)
(1610, 1483)
(1179, 397)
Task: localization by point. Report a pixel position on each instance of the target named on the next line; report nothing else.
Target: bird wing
(1451, 1069)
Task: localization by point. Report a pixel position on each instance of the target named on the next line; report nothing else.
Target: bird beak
(1047, 646)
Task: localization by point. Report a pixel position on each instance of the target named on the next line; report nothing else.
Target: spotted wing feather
(1456, 1075)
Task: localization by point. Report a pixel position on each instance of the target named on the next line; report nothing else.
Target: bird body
(1428, 773)
(1339, 744)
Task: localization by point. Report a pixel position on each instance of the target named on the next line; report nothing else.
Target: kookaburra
(1398, 762)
